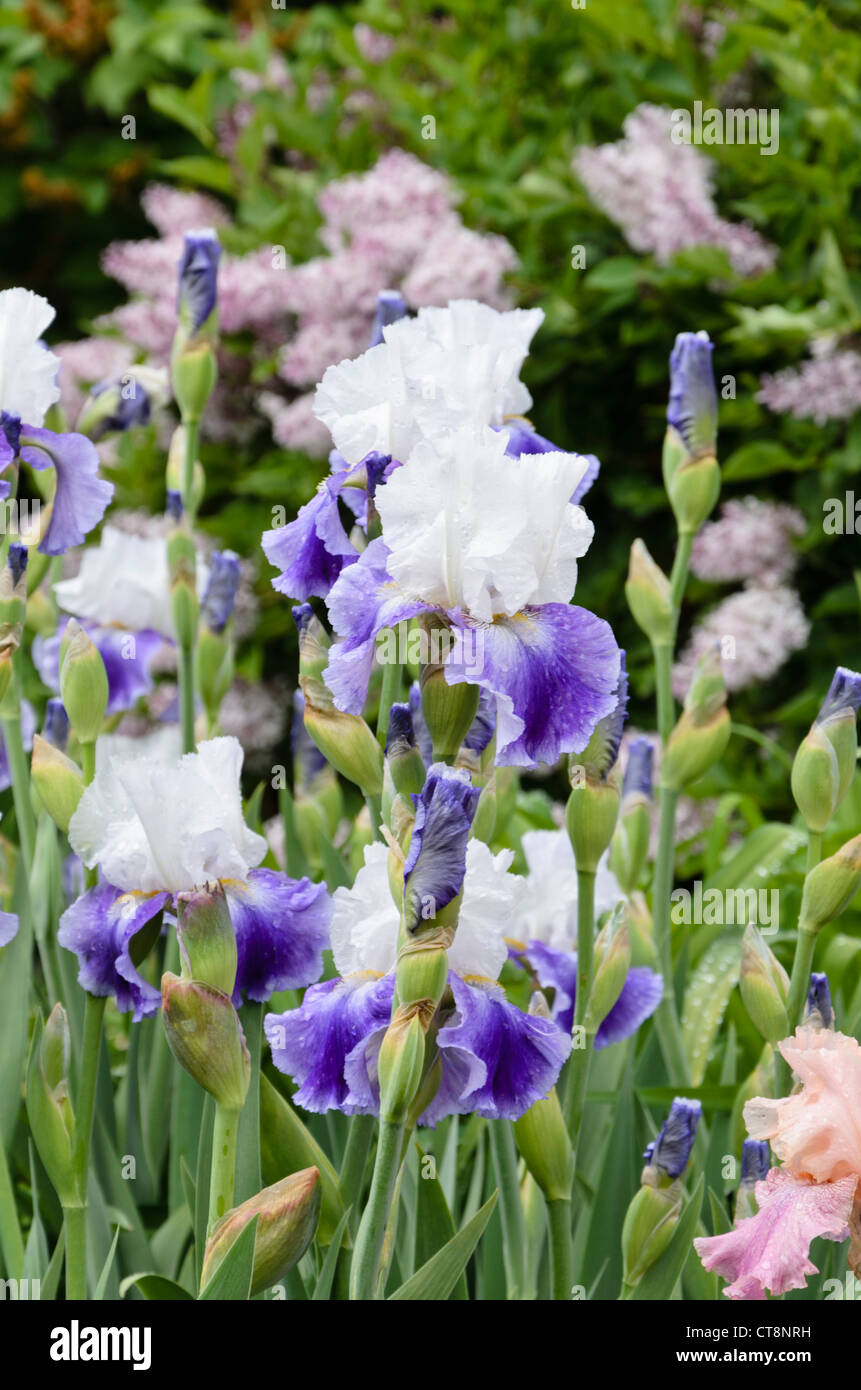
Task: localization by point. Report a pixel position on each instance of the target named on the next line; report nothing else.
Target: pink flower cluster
(661, 194)
(816, 1133)
(826, 387)
(394, 227)
(760, 626)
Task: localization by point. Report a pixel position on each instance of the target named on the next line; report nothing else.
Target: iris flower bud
(630, 844)
(837, 719)
(207, 941)
(56, 729)
(647, 590)
(57, 780)
(612, 963)
(402, 1059)
(13, 608)
(206, 1038)
(121, 403)
(669, 1153)
(593, 806)
(448, 710)
(182, 567)
(754, 1167)
(403, 759)
(703, 730)
(691, 472)
(654, 1211)
(287, 1215)
(193, 364)
(541, 1135)
(764, 986)
(345, 740)
(819, 1011)
(174, 474)
(49, 1109)
(831, 886)
(214, 653)
(391, 306)
(825, 762)
(83, 683)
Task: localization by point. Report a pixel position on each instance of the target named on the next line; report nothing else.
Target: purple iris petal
(554, 671)
(509, 1059)
(672, 1148)
(819, 1010)
(98, 928)
(8, 927)
(127, 657)
(126, 408)
(692, 407)
(10, 443)
(312, 1043)
(557, 970)
(55, 729)
(362, 602)
(423, 738)
(483, 726)
(221, 586)
(436, 861)
(80, 497)
(638, 769)
(391, 306)
(400, 734)
(16, 561)
(844, 695)
(282, 929)
(754, 1162)
(198, 278)
(312, 550)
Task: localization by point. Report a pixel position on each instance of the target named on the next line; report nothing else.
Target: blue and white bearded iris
(28, 389)
(496, 1060)
(490, 544)
(543, 933)
(424, 377)
(121, 596)
(156, 827)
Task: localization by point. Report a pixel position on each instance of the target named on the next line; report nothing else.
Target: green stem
(665, 705)
(185, 667)
(504, 1151)
(20, 774)
(799, 980)
(561, 1262)
(11, 1240)
(75, 1229)
(389, 689)
(224, 1136)
(667, 1019)
(375, 813)
(814, 849)
(580, 1062)
(192, 437)
(359, 1136)
(372, 1227)
(679, 575)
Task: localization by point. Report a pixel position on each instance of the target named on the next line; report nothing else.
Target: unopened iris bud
(57, 780)
(13, 609)
(541, 1135)
(831, 886)
(764, 986)
(173, 505)
(448, 710)
(754, 1168)
(401, 1061)
(691, 472)
(206, 1038)
(121, 403)
(214, 655)
(182, 568)
(630, 844)
(287, 1215)
(207, 941)
(702, 733)
(650, 1221)
(825, 762)
(669, 1153)
(174, 476)
(612, 963)
(403, 759)
(220, 595)
(819, 1011)
(593, 806)
(435, 865)
(647, 591)
(345, 740)
(56, 727)
(193, 364)
(391, 306)
(83, 683)
(49, 1109)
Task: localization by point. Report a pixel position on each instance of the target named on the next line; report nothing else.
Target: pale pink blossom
(373, 46)
(750, 540)
(757, 629)
(294, 424)
(771, 1249)
(661, 194)
(826, 387)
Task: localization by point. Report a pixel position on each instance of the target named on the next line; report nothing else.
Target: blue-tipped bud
(837, 720)
(173, 505)
(56, 727)
(391, 306)
(404, 762)
(693, 402)
(17, 562)
(10, 429)
(755, 1162)
(197, 294)
(308, 761)
(672, 1148)
(221, 587)
(122, 402)
(599, 756)
(819, 1012)
(436, 862)
(637, 781)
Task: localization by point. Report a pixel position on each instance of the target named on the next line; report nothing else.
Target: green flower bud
(182, 567)
(693, 485)
(175, 472)
(702, 733)
(590, 816)
(345, 740)
(764, 986)
(629, 847)
(206, 1038)
(287, 1215)
(641, 928)
(214, 667)
(448, 712)
(831, 886)
(816, 780)
(484, 822)
(193, 374)
(542, 1137)
(207, 941)
(49, 1109)
(648, 593)
(401, 1061)
(57, 780)
(612, 963)
(83, 683)
(650, 1221)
